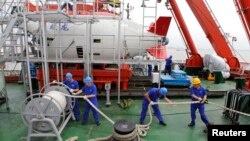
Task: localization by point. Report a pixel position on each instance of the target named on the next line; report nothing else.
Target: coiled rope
(140, 130)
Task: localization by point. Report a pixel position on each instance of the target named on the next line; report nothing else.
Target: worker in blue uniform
(74, 87)
(150, 68)
(152, 97)
(198, 94)
(168, 65)
(90, 92)
(66, 3)
(33, 77)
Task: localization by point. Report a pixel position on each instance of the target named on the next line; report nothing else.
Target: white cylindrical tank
(58, 99)
(216, 63)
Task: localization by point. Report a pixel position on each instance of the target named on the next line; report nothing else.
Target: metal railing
(77, 7)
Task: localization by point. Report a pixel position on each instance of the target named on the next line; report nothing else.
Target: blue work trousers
(157, 111)
(67, 4)
(87, 107)
(168, 70)
(150, 70)
(76, 109)
(201, 108)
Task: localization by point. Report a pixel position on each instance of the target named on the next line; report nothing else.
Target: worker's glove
(84, 97)
(204, 101)
(56, 82)
(152, 103)
(199, 99)
(71, 90)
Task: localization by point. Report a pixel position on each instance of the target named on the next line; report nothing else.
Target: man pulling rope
(141, 130)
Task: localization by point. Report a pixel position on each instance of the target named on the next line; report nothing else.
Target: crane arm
(195, 59)
(213, 32)
(243, 9)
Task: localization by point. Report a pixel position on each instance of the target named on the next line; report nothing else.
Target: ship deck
(138, 85)
(177, 117)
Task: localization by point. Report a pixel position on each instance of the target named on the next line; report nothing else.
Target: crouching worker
(152, 96)
(90, 92)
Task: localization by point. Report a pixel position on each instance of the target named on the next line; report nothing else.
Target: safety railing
(77, 7)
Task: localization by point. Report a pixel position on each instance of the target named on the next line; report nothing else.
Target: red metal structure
(75, 69)
(160, 27)
(213, 33)
(194, 60)
(243, 9)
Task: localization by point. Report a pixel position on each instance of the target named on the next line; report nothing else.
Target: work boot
(205, 130)
(191, 124)
(77, 119)
(98, 123)
(162, 123)
(210, 123)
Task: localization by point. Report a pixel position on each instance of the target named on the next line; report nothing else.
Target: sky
(224, 10)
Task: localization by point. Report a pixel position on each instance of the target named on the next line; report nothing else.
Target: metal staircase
(10, 39)
(11, 30)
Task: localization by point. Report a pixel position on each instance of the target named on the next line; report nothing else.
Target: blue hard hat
(164, 91)
(68, 75)
(88, 79)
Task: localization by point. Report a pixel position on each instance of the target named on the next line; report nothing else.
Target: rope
(102, 138)
(141, 130)
(75, 138)
(229, 109)
(93, 106)
(126, 137)
(74, 96)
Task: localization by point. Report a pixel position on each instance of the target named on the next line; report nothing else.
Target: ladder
(10, 39)
(149, 15)
(146, 17)
(8, 29)
(9, 20)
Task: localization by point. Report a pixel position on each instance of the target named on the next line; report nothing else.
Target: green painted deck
(210, 85)
(12, 127)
